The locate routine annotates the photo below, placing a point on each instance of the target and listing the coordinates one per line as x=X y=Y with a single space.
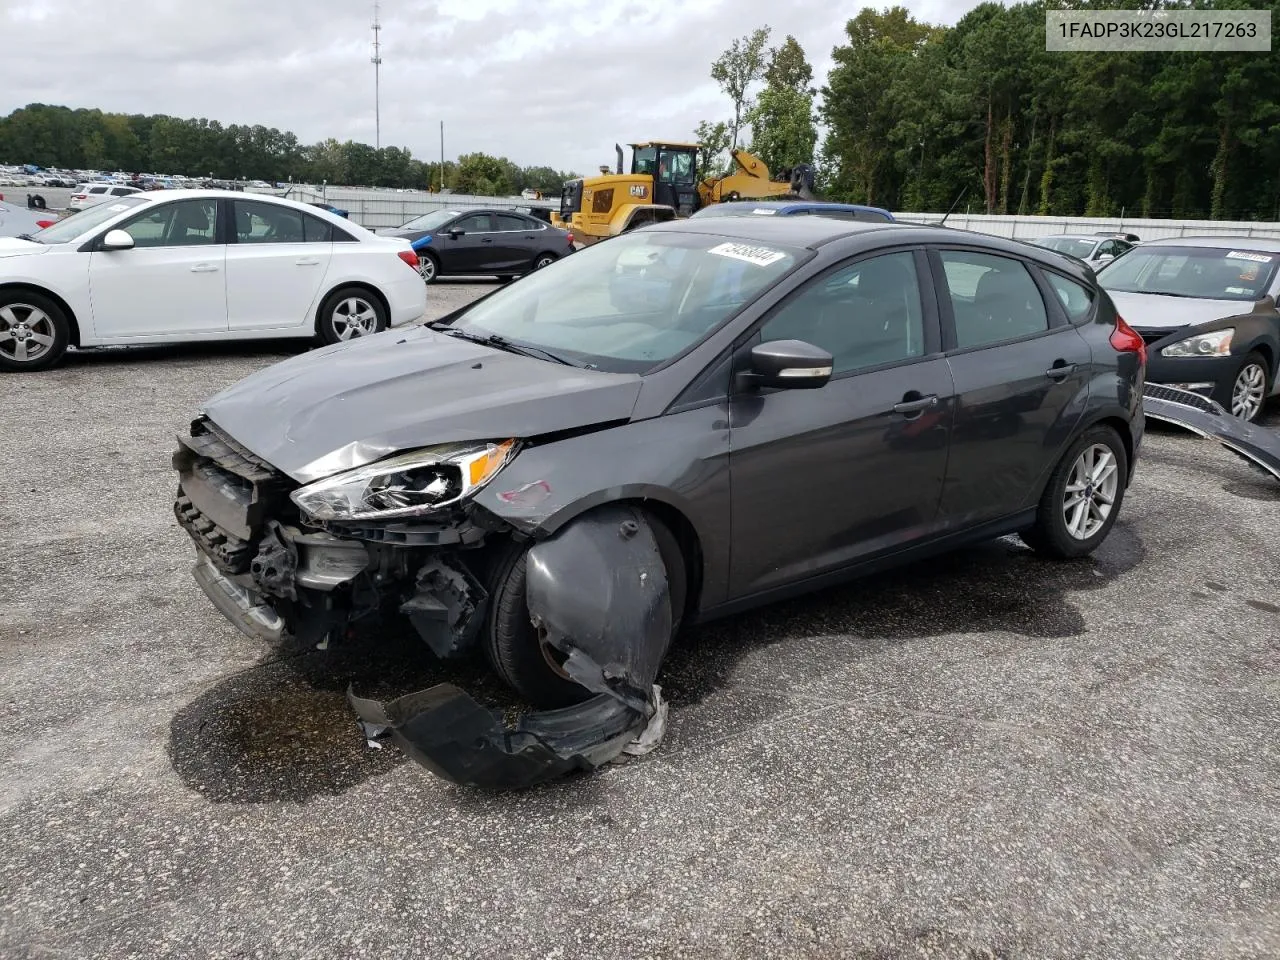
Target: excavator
x=664 y=184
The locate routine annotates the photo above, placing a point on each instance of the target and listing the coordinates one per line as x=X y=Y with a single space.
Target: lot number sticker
x=1242 y=255
x=760 y=256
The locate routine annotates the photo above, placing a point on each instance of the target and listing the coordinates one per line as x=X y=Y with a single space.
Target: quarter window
x=185 y=223
x=864 y=314
x=992 y=298
x=1076 y=300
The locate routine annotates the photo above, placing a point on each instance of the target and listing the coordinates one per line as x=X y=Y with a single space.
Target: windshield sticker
x=1244 y=255
x=1240 y=290
x=760 y=256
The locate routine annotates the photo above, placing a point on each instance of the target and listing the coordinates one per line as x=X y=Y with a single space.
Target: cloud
x=555 y=83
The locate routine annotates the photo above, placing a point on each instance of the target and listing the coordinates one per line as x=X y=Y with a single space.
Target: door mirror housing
x=1104 y=257
x=117 y=240
x=455 y=234
x=789 y=365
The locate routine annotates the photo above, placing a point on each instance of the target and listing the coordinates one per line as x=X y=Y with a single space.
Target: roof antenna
x=953 y=206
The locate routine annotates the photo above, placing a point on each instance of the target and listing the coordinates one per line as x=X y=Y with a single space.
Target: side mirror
x=1104 y=257
x=789 y=364
x=455 y=234
x=117 y=240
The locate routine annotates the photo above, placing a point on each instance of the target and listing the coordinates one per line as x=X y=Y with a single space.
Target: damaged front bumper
x=1257 y=445
x=596 y=592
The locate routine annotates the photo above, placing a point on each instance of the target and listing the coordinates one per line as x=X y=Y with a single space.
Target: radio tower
x=376 y=60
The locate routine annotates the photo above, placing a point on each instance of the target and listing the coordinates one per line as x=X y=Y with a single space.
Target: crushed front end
x=597 y=593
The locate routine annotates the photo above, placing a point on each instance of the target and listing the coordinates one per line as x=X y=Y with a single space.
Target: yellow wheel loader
x=665 y=183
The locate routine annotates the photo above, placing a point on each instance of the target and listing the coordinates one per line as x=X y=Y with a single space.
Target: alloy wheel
x=1248 y=392
x=26 y=332
x=543 y=262
x=354 y=317
x=1091 y=491
x=427 y=267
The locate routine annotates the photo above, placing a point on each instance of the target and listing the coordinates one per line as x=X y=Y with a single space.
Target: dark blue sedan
x=482 y=242
x=794 y=208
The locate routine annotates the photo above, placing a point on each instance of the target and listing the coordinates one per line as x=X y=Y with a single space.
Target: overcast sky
x=557 y=86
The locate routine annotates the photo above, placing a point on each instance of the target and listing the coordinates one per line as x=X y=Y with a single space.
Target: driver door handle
x=486 y=240
x=205 y=268
x=915 y=406
x=1060 y=370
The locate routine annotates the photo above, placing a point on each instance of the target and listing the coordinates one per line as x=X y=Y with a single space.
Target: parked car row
x=483 y=242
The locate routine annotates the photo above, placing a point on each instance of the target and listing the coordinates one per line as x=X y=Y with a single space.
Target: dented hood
x=347 y=405
x=1153 y=311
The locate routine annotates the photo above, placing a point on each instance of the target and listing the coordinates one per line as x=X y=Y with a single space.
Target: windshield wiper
x=27 y=236
x=502 y=343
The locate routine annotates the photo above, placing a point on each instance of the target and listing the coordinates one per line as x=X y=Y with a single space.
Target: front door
x=276 y=266
x=825 y=477
x=469 y=251
x=172 y=283
x=675 y=184
x=1021 y=378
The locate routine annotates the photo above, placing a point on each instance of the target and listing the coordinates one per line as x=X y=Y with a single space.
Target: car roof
x=1270 y=244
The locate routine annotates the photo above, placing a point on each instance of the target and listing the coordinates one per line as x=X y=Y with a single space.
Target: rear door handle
x=308 y=262
x=486 y=240
x=205 y=268
x=915 y=406
x=1060 y=371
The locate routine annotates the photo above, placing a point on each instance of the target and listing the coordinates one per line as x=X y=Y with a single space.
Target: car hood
x=352 y=403
x=13 y=247
x=1153 y=311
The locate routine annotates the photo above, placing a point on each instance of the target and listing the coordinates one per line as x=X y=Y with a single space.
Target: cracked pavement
x=982 y=755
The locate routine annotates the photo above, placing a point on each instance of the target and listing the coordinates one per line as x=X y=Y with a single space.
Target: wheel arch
x=72 y=322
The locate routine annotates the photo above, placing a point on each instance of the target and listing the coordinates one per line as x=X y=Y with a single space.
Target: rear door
x=276 y=264
x=1021 y=374
x=822 y=478
x=513 y=243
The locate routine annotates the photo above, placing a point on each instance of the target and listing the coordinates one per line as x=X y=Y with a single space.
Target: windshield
x=630 y=303
x=77 y=224
x=1080 y=249
x=429 y=221
x=1203 y=273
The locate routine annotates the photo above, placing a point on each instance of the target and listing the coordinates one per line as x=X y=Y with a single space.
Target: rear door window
x=993 y=298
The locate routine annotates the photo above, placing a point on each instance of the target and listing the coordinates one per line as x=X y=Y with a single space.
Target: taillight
x=80 y=196
x=571 y=239
x=1127 y=340
x=410 y=257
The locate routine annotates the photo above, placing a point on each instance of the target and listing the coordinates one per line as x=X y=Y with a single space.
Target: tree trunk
x=1006 y=139
x=1031 y=152
x=988 y=171
x=1217 y=207
x=1046 y=178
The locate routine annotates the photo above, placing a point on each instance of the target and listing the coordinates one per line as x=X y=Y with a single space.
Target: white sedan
x=177 y=266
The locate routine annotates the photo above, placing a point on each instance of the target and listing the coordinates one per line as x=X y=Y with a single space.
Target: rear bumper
x=406 y=299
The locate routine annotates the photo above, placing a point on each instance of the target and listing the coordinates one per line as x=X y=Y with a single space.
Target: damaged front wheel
x=522 y=655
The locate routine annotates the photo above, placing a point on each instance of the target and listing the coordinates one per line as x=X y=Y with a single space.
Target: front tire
x=511 y=644
x=351 y=312
x=1082 y=498
x=34 y=332
x=1245 y=397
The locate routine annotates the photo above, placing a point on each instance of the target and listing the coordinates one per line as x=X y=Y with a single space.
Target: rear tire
x=34 y=332
x=428 y=267
x=351 y=312
x=1082 y=499
x=511 y=644
x=544 y=260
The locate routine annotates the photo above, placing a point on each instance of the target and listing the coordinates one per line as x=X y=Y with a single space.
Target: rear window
x=1072 y=246
x=1201 y=273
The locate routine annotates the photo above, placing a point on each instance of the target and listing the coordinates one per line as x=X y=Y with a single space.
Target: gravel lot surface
x=985 y=755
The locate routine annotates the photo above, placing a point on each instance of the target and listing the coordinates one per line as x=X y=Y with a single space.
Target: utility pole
x=376 y=60
x=442 y=156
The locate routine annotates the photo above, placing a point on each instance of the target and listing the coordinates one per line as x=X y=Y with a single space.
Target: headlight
x=1216 y=344
x=405 y=485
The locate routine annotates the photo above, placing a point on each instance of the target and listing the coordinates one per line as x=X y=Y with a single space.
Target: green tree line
x=57 y=136
x=918 y=116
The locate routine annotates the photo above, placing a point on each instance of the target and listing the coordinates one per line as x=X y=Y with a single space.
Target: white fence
x=374 y=208
x=1026 y=228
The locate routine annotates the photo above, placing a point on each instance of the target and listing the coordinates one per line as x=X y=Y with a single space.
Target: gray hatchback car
x=681 y=423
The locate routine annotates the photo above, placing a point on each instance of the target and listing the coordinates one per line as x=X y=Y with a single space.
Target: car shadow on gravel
x=283 y=731
x=267 y=349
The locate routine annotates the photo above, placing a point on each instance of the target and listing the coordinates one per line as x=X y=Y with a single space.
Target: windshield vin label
x=760 y=256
